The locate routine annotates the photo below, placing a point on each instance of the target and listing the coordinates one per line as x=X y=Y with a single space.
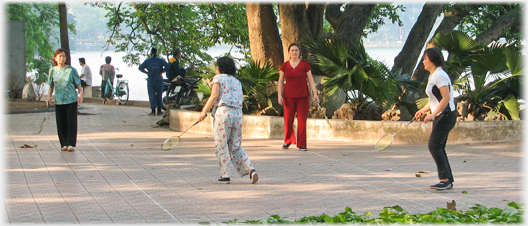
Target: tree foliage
x=491 y=75
x=41 y=21
x=192 y=27
x=481 y=17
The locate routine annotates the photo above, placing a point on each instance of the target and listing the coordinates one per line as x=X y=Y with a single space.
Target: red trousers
x=291 y=106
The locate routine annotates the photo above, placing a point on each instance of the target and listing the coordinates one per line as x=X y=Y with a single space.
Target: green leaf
x=513 y=107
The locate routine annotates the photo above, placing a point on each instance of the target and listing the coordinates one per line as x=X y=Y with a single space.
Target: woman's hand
x=316 y=98
x=203 y=115
x=418 y=114
x=279 y=99
x=428 y=118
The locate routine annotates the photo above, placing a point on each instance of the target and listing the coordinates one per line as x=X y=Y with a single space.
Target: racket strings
x=384 y=142
x=170 y=143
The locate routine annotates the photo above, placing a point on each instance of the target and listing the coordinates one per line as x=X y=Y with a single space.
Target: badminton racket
x=175 y=140
x=42 y=124
x=386 y=140
x=321 y=110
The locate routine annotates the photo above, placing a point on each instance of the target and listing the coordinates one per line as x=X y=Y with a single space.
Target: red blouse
x=296 y=79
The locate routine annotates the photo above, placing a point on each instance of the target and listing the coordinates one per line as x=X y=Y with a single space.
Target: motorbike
x=181 y=91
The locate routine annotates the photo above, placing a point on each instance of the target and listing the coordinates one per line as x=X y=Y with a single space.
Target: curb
x=37 y=111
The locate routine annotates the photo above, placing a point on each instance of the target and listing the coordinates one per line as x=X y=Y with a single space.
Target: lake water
x=138 y=84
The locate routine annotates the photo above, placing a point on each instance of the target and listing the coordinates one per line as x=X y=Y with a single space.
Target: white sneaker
x=253 y=176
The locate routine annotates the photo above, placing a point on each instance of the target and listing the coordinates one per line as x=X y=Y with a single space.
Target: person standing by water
x=443 y=114
x=227 y=98
x=63 y=80
x=155 y=67
x=294 y=96
x=106 y=71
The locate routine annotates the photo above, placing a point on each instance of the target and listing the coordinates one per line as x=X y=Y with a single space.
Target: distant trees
x=192 y=27
x=42 y=23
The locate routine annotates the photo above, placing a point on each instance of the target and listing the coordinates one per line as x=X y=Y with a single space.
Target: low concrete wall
x=272 y=127
x=115 y=101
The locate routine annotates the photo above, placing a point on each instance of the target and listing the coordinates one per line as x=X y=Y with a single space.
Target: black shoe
x=303 y=148
x=442 y=185
x=253 y=176
x=163 y=108
x=152 y=113
x=285 y=146
x=223 y=180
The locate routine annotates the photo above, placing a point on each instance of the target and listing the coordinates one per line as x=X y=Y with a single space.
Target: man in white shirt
x=86 y=73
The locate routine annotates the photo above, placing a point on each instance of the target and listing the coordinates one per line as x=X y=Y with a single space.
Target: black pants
x=66 y=117
x=442 y=125
x=103 y=90
x=83 y=83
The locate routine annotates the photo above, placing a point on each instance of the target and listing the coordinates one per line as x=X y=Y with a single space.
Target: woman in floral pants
x=226 y=97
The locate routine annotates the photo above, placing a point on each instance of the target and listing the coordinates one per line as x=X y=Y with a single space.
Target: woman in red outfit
x=298 y=74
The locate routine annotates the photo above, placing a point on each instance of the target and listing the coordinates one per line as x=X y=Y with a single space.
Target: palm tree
x=259 y=83
x=488 y=77
x=350 y=69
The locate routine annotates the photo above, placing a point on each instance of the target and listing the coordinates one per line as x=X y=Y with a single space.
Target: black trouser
x=442 y=125
x=83 y=83
x=66 y=117
x=103 y=89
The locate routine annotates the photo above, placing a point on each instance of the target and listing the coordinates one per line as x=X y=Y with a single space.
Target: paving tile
x=119 y=175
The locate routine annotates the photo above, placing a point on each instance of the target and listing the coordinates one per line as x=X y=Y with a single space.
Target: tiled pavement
x=119 y=174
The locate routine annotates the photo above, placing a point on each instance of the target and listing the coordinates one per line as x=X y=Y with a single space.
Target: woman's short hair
x=435 y=56
x=108 y=59
x=294 y=44
x=226 y=65
x=57 y=52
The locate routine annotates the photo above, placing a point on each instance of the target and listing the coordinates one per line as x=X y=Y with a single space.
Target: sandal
x=70 y=149
x=64 y=148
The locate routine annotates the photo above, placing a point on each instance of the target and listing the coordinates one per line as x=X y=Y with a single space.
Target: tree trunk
x=349 y=25
x=450 y=21
x=406 y=59
x=65 y=44
x=315 y=13
x=294 y=26
x=499 y=26
x=264 y=39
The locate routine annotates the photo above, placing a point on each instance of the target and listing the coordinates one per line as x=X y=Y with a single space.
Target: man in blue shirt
x=155 y=67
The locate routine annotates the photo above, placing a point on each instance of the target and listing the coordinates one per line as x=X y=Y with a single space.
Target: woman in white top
x=443 y=114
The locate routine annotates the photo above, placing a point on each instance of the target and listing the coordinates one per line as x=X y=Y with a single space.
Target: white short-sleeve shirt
x=438 y=79
x=87 y=74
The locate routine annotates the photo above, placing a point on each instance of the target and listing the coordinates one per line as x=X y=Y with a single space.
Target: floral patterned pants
x=227 y=130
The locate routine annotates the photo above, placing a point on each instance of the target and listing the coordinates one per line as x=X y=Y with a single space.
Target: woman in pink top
x=297 y=74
